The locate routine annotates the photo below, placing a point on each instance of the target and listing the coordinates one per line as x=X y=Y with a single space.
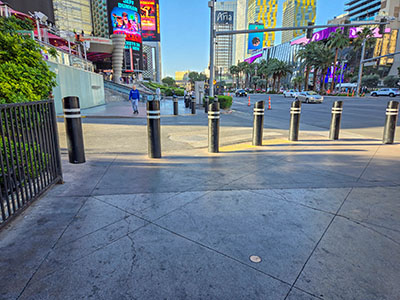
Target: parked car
x=386 y=92
x=241 y=93
x=290 y=93
x=309 y=97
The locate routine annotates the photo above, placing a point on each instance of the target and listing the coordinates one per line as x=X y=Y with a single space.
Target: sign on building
x=256 y=40
x=150 y=12
x=224 y=17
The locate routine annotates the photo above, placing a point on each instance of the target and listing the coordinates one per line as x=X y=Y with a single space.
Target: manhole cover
x=255 y=259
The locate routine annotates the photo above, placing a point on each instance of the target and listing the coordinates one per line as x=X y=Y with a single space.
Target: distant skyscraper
x=73 y=15
x=263 y=12
x=362 y=10
x=297 y=13
x=225 y=44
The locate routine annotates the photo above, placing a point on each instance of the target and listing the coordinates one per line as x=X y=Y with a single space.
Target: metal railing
x=30 y=160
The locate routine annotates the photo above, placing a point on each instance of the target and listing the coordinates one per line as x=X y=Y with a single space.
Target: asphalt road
x=364 y=116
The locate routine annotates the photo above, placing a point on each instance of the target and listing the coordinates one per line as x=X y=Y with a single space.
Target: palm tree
x=325 y=59
x=297 y=81
x=306 y=55
x=234 y=71
x=337 y=41
x=283 y=69
x=243 y=66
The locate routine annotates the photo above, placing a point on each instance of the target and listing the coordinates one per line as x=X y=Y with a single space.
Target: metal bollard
x=175 y=99
x=337 y=110
x=213 y=127
x=154 y=129
x=73 y=128
x=193 y=106
x=258 y=123
x=206 y=104
x=392 y=112
x=187 y=101
x=295 y=112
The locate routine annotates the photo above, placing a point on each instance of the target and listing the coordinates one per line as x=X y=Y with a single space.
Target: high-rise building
x=225 y=44
x=297 y=13
x=73 y=15
x=241 y=24
x=99 y=17
x=263 y=12
x=363 y=10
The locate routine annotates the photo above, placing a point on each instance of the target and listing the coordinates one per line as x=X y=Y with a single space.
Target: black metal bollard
x=187 y=101
x=295 y=111
x=73 y=128
x=258 y=123
x=154 y=129
x=175 y=99
x=337 y=110
x=213 y=127
x=206 y=103
x=392 y=112
x=193 y=106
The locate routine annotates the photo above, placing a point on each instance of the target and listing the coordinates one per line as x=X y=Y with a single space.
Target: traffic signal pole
x=211 y=5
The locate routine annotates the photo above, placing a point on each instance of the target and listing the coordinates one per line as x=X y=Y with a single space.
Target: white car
x=309 y=97
x=290 y=93
x=386 y=92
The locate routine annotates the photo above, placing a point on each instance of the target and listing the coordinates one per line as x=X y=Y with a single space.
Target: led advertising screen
x=124 y=16
x=150 y=12
x=256 y=40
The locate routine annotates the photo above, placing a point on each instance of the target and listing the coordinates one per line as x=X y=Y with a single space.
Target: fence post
x=154 y=129
x=392 y=112
x=73 y=128
x=213 y=127
x=295 y=112
x=258 y=123
x=337 y=110
x=53 y=117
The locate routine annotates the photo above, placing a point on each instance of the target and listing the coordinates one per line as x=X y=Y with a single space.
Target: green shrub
x=225 y=102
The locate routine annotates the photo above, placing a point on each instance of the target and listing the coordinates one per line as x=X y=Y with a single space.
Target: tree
x=24 y=75
x=324 y=59
x=234 y=71
x=243 y=67
x=391 y=81
x=337 y=41
x=306 y=55
x=195 y=76
x=297 y=81
x=370 y=81
x=169 y=81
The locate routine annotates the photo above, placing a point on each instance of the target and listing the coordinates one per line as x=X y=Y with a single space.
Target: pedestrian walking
x=158 y=93
x=134 y=96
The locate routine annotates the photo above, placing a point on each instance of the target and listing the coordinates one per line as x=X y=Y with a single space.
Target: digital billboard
x=124 y=16
x=256 y=40
x=150 y=12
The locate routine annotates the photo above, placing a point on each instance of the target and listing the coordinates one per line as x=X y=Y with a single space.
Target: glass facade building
x=297 y=13
x=73 y=15
x=363 y=10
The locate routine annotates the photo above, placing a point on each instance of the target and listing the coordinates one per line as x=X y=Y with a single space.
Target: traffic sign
x=215 y=82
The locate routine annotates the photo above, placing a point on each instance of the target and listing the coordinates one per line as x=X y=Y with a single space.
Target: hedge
x=225 y=102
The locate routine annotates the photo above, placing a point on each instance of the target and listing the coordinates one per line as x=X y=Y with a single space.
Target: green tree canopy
x=195 y=76
x=169 y=81
x=24 y=75
x=391 y=81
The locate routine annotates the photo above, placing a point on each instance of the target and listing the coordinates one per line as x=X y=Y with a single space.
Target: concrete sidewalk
x=322 y=216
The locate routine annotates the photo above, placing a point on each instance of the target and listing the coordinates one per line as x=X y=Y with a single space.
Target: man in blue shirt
x=134 y=96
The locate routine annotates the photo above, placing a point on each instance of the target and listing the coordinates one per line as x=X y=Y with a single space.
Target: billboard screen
x=124 y=16
x=150 y=12
x=26 y=6
x=256 y=40
x=224 y=17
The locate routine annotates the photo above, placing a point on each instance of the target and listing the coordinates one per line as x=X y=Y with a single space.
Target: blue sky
x=185 y=36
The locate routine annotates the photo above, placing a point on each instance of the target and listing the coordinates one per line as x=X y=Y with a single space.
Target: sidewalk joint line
x=318 y=242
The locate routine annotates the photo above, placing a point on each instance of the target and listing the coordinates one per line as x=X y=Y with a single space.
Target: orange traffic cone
x=352 y=94
x=347 y=93
x=249 y=102
x=269 y=103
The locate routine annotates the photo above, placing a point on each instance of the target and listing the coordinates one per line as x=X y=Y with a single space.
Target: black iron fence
x=30 y=154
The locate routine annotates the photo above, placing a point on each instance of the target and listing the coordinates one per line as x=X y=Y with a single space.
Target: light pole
x=211 y=5
x=360 y=70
